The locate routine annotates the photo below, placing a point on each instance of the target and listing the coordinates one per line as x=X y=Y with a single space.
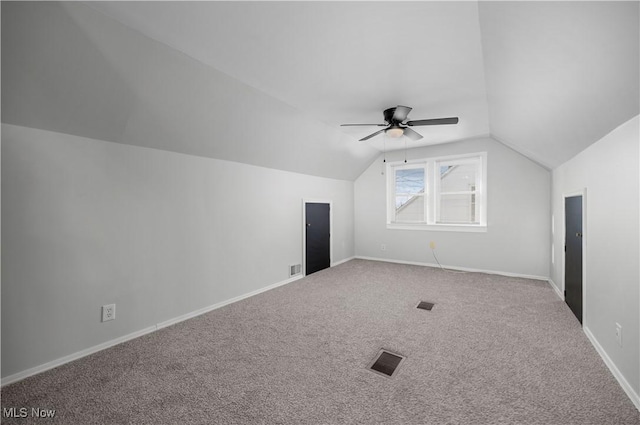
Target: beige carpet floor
x=494 y=350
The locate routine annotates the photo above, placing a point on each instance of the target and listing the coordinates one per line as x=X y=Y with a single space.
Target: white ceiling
x=340 y=62
x=546 y=78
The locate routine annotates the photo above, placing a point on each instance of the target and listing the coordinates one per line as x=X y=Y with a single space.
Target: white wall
x=160 y=234
x=608 y=170
x=517 y=238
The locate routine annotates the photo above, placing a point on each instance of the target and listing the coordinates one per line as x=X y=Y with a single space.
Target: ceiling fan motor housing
x=388 y=116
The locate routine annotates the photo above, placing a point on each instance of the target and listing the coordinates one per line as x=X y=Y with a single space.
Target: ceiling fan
x=396 y=126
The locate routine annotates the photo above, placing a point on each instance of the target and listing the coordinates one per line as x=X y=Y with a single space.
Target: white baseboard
x=556 y=289
x=463 y=269
x=337 y=263
x=223 y=303
x=75 y=356
x=87 y=351
x=612 y=367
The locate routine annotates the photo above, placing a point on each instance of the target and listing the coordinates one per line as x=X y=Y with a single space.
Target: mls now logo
x=23 y=412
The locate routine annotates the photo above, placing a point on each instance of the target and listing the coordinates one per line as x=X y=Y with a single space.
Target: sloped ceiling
x=269 y=83
x=560 y=75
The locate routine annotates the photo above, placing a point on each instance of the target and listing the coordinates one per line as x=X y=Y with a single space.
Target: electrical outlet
x=108 y=312
x=619 y=334
x=432 y=245
x=383 y=247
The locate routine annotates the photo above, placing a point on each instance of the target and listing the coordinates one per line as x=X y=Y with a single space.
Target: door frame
x=306 y=201
x=582 y=193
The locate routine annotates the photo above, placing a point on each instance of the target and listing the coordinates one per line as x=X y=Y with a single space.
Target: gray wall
x=518 y=233
x=608 y=170
x=161 y=234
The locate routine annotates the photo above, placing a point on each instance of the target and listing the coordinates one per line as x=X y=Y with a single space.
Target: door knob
x=308 y=224
x=578 y=235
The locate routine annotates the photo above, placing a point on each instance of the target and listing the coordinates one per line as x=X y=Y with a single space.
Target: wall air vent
x=295 y=270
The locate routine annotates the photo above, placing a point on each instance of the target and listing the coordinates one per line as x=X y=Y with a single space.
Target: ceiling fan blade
x=413 y=135
x=352 y=125
x=434 y=121
x=401 y=113
x=372 y=135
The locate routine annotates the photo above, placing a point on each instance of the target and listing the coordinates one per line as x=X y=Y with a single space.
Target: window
x=409 y=183
x=447 y=193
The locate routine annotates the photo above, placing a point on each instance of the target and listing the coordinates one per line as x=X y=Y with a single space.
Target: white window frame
x=432 y=193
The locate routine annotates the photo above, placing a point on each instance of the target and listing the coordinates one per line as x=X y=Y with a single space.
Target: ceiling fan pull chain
x=384 y=149
x=405 y=150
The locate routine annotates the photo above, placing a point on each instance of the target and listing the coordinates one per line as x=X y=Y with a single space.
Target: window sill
x=472 y=228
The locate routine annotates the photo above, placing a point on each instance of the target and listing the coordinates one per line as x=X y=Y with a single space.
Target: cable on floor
x=433 y=251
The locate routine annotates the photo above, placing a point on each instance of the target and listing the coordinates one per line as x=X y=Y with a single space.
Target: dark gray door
x=317 y=238
x=573 y=255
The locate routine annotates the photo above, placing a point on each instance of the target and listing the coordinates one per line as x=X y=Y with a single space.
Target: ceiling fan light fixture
x=395 y=132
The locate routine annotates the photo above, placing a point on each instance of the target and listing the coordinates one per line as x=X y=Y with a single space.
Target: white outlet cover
x=108 y=312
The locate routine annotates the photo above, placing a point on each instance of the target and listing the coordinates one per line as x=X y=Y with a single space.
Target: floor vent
x=386 y=363
x=424 y=305
x=295 y=269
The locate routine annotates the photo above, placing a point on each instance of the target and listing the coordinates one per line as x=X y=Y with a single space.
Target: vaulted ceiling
x=269 y=83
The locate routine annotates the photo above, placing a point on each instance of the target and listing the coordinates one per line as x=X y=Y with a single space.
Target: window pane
x=410 y=181
x=458 y=178
x=410 y=208
x=458 y=208
x=409 y=194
